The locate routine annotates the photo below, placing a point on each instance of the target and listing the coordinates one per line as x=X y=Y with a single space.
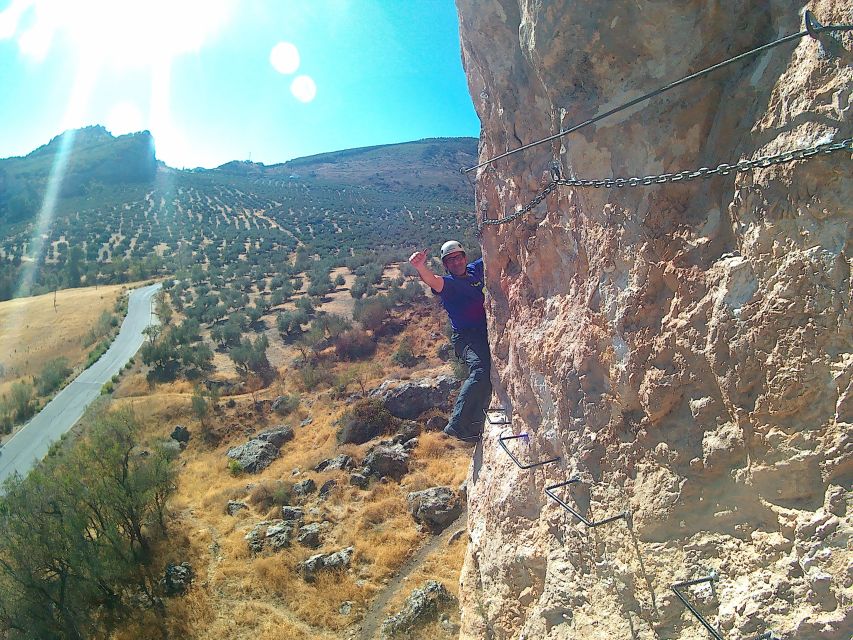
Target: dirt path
x=376 y=613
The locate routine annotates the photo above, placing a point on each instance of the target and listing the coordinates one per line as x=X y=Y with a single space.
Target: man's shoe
x=453 y=433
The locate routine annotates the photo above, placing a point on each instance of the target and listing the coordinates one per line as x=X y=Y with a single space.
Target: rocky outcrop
x=422 y=606
x=259 y=452
x=269 y=534
x=337 y=561
x=177 y=578
x=387 y=460
x=408 y=400
x=684 y=348
x=435 y=508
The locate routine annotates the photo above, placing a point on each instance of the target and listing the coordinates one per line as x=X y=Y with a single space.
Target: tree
x=52 y=375
x=76 y=534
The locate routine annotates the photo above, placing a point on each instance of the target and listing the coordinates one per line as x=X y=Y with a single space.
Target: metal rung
x=502 y=441
x=767 y=635
x=550 y=492
x=497 y=410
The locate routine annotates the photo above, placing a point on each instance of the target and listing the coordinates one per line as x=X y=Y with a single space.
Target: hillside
x=117 y=230
x=429 y=166
x=284 y=304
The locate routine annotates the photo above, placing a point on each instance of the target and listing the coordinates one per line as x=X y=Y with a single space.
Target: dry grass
x=32 y=332
x=237 y=594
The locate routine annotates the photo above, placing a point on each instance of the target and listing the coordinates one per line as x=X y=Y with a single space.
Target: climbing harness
x=813 y=29
x=711 y=578
x=687 y=175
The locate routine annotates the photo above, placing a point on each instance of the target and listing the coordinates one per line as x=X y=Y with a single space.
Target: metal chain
x=681 y=176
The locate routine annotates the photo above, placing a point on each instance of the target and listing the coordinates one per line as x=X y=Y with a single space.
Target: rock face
x=684 y=348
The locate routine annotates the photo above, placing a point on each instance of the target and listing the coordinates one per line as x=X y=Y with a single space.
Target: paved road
x=32 y=442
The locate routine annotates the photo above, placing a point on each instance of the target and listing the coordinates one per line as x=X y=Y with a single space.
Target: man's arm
x=419 y=261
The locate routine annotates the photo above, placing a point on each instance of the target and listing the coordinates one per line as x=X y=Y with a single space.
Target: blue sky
x=220 y=80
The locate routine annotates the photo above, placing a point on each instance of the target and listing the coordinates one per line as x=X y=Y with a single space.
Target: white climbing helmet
x=451 y=246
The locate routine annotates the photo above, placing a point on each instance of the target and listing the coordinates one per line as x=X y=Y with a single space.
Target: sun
x=115 y=33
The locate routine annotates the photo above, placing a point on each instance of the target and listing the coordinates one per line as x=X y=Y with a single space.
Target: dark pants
x=472 y=347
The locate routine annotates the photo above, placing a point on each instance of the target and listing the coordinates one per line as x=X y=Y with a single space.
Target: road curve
x=32 y=442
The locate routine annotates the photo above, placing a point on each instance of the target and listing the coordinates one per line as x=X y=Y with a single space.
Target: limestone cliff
x=684 y=348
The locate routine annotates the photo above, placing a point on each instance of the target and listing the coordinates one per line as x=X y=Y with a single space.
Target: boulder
x=409 y=430
x=278 y=535
x=177 y=578
x=341 y=462
x=234 y=506
x=304 y=487
x=327 y=486
x=359 y=480
x=292 y=514
x=274 y=534
x=254 y=456
x=436 y=507
x=338 y=560
x=410 y=399
x=387 y=460
x=180 y=433
x=421 y=607
x=310 y=535
x=276 y=436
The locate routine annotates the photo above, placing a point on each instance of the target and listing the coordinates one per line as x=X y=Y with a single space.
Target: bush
x=52 y=375
x=312 y=376
x=267 y=495
x=107 y=388
x=367 y=419
x=371 y=313
x=234 y=468
x=404 y=356
x=20 y=402
x=460 y=369
x=286 y=404
x=354 y=344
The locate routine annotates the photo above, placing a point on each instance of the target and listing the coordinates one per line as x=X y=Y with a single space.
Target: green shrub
x=354 y=344
x=287 y=404
x=52 y=375
x=107 y=388
x=267 y=495
x=367 y=419
x=234 y=468
x=460 y=369
x=404 y=356
x=314 y=375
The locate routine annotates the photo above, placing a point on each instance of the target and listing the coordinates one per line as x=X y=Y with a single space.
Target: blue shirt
x=463 y=299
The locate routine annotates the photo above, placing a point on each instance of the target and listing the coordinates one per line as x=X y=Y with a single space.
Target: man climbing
x=461 y=293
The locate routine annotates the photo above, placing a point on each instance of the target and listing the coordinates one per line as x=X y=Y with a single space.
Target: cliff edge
x=684 y=348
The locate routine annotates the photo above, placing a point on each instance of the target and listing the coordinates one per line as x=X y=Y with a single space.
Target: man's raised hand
x=418 y=259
